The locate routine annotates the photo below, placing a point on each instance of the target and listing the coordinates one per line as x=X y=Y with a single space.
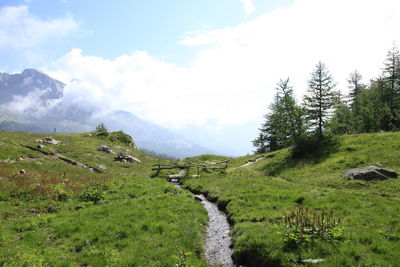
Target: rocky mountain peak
x=29 y=81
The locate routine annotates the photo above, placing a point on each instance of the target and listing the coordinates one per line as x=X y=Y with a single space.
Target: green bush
x=101 y=130
x=94 y=192
x=120 y=136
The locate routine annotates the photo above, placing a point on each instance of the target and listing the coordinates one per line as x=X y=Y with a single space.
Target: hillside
x=257 y=197
x=32 y=101
x=69 y=204
x=52 y=211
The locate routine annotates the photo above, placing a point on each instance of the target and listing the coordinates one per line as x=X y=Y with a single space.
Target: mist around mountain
x=34 y=102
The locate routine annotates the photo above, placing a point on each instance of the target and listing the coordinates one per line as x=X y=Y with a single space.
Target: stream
x=218 y=239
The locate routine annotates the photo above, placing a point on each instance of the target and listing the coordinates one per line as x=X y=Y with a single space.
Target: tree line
x=324 y=111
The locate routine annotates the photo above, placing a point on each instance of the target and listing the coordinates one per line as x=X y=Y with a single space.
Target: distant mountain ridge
x=22 y=84
x=40 y=90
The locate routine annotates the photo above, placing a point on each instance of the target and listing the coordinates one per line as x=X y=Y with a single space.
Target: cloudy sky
x=206 y=69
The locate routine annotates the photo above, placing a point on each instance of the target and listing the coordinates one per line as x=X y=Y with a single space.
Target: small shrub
x=305 y=226
x=181 y=258
x=101 y=130
x=94 y=192
x=120 y=136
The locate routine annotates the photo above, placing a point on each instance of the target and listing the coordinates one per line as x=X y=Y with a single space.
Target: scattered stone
x=126 y=158
x=105 y=149
x=312 y=261
x=22 y=172
x=41 y=146
x=39 y=141
x=19 y=159
x=50 y=140
x=370 y=173
x=102 y=167
x=198 y=198
x=117 y=147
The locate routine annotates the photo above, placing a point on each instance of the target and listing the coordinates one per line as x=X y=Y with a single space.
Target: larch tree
x=320 y=98
x=283 y=124
x=391 y=86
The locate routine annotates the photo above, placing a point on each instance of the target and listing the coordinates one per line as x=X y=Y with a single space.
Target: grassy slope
x=140 y=222
x=257 y=197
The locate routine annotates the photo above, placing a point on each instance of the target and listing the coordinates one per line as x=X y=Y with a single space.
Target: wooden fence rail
x=187 y=166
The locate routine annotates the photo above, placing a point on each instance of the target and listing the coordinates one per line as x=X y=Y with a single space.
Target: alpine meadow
x=215 y=133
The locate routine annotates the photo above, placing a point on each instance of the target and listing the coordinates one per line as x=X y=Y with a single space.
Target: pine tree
x=391 y=88
x=355 y=87
x=283 y=124
x=320 y=98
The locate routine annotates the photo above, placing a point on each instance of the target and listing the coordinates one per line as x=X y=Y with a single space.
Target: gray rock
x=50 y=140
x=105 y=149
x=126 y=158
x=22 y=172
x=102 y=167
x=41 y=146
x=314 y=261
x=370 y=173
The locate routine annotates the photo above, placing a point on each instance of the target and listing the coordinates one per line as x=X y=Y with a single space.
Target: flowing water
x=218 y=239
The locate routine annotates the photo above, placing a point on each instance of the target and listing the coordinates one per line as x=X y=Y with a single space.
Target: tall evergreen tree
x=320 y=98
x=283 y=124
x=355 y=86
x=391 y=86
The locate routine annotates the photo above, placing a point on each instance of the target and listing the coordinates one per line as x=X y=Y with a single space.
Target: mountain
x=28 y=82
x=32 y=101
x=151 y=136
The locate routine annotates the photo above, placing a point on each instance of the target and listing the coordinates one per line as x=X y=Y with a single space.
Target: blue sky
x=113 y=28
x=204 y=68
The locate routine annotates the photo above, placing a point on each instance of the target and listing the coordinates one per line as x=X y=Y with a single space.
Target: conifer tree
x=391 y=86
x=320 y=98
x=355 y=87
x=283 y=124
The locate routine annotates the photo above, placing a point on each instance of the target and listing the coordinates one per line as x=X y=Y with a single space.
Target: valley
x=62 y=214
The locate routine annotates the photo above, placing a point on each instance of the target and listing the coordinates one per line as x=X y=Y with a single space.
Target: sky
x=206 y=69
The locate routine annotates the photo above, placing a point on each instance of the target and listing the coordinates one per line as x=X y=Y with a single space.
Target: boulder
x=105 y=149
x=50 y=140
x=126 y=158
x=370 y=173
x=102 y=167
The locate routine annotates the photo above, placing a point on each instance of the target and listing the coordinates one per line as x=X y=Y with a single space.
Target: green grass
x=44 y=222
x=257 y=197
x=144 y=221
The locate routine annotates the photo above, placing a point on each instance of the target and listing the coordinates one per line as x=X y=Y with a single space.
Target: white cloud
x=20 y=29
x=248 y=6
x=232 y=80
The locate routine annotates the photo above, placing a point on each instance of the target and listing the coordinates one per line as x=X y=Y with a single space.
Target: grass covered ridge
x=257 y=198
x=46 y=221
